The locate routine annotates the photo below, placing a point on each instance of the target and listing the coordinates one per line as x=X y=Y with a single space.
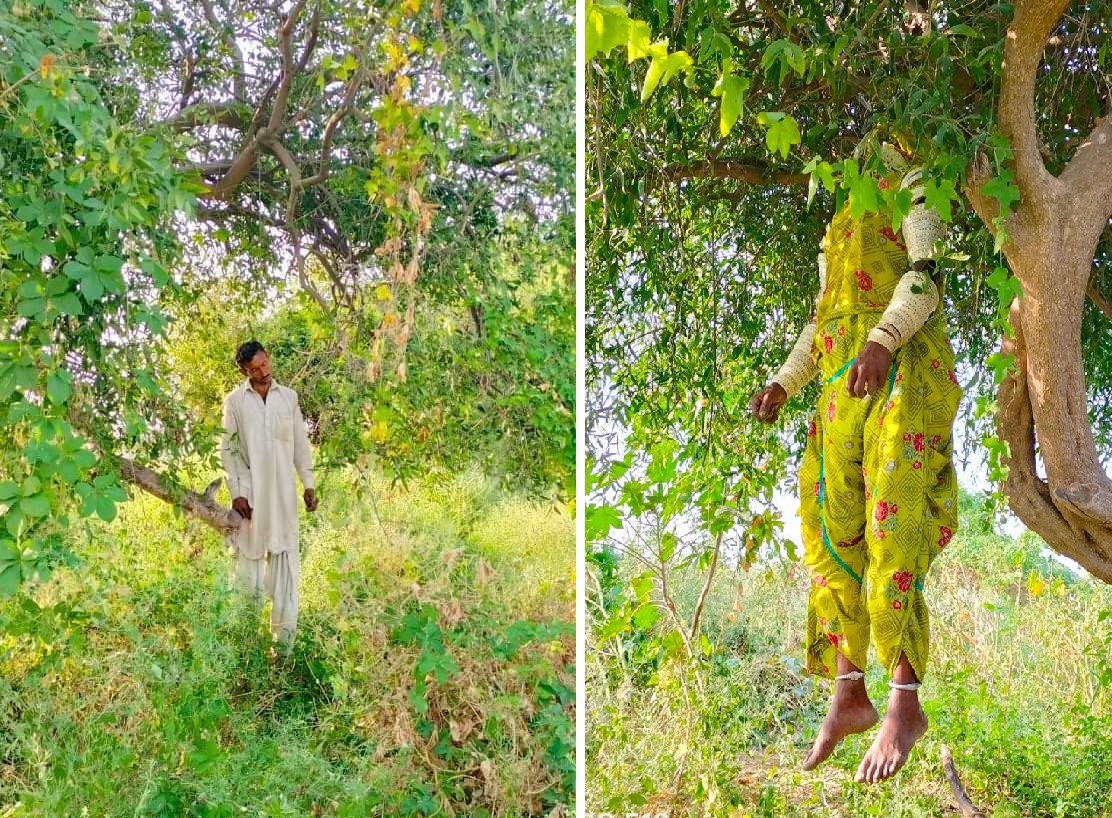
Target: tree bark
x=1052 y=239
x=199 y=506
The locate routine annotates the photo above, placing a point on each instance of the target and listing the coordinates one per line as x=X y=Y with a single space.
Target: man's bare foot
x=904 y=724
x=850 y=712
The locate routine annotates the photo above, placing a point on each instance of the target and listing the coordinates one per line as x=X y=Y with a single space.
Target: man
x=878 y=495
x=264 y=441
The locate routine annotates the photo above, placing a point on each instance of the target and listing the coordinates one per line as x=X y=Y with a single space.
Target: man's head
x=253 y=361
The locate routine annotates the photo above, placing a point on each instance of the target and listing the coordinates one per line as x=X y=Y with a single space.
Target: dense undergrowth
x=432 y=673
x=1019 y=687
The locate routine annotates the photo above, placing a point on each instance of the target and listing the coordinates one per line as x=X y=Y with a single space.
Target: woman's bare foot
x=904 y=724
x=850 y=712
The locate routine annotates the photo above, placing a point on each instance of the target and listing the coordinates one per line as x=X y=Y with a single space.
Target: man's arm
x=302 y=454
x=235 y=464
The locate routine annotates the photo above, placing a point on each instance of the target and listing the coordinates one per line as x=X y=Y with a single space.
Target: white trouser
x=276 y=575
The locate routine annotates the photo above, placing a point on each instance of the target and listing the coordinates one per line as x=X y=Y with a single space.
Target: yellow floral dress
x=878 y=493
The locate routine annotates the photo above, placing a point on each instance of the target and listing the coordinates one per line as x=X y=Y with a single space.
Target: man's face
x=257 y=369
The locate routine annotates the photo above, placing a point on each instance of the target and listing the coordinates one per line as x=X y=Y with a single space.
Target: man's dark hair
x=247 y=351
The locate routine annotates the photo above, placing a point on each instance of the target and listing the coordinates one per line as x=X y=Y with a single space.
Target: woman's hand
x=869 y=370
x=765 y=405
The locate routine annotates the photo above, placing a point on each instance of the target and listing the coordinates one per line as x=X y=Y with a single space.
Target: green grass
x=432 y=672
x=1019 y=687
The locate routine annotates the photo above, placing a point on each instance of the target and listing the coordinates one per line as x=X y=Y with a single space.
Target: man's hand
x=765 y=405
x=869 y=370
x=310 y=496
x=241 y=506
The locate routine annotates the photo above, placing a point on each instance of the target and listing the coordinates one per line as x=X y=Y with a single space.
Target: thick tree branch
x=1028 y=494
x=230 y=114
x=1102 y=303
x=1023 y=47
x=200 y=506
x=1088 y=176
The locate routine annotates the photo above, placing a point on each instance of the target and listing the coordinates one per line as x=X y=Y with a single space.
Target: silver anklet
x=908 y=686
x=853 y=674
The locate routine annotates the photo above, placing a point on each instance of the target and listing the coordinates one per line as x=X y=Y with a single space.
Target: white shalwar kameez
x=263 y=443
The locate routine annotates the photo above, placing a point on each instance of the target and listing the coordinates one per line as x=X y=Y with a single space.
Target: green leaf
x=37 y=505
x=667 y=546
x=662 y=69
x=863 y=190
x=8 y=489
x=1003 y=190
x=606 y=26
x=938 y=195
x=645 y=616
x=732 y=91
x=58 y=386
x=91 y=287
x=68 y=304
x=782 y=133
x=10 y=570
x=901 y=206
x=785 y=54
x=640 y=35
x=599 y=521
x=105 y=509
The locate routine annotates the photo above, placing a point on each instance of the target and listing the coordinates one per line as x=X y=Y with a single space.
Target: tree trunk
x=1052 y=239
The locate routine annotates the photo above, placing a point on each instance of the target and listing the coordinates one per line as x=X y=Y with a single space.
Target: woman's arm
x=799 y=367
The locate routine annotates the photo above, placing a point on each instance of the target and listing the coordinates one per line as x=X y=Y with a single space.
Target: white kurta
x=263 y=443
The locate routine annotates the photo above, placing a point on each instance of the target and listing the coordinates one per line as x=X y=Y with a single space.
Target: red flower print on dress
x=907 y=436
x=882 y=510
x=953 y=377
x=849 y=233
x=945 y=535
x=935 y=439
x=899 y=377
x=897 y=604
x=880 y=535
x=918 y=464
x=917 y=441
x=827 y=343
x=890 y=234
x=816 y=488
x=812 y=429
x=830 y=411
x=902 y=580
x=841 y=330
x=863 y=280
x=820 y=580
x=935 y=363
x=833 y=637
x=893 y=508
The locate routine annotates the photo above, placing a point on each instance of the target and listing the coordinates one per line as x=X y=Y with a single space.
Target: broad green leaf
x=782 y=133
x=938 y=195
x=640 y=36
x=732 y=91
x=58 y=386
x=662 y=69
x=901 y=206
x=37 y=505
x=599 y=521
x=606 y=26
x=646 y=615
